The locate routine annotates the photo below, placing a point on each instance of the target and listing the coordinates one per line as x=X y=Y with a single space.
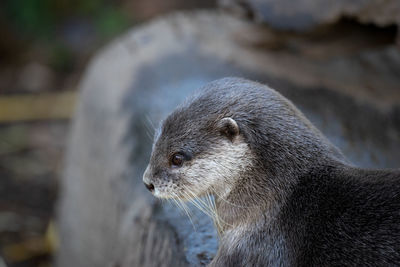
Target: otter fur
x=284 y=195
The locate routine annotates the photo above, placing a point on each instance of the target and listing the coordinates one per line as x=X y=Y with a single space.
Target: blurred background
x=308 y=50
x=44 y=48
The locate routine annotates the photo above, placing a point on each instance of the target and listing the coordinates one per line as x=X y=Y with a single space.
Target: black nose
x=150 y=187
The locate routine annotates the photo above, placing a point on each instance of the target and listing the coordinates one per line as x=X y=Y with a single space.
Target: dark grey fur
x=301 y=203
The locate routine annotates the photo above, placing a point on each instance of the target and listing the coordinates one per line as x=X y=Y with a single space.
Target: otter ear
x=228 y=127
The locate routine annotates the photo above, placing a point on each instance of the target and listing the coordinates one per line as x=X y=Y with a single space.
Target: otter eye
x=177 y=160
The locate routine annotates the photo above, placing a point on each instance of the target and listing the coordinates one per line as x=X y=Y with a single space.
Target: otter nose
x=150 y=187
x=146 y=179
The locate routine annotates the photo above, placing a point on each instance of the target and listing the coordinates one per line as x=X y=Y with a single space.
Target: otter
x=284 y=195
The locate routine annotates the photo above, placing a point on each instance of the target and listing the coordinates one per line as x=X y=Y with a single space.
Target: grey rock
x=305 y=14
x=2 y=263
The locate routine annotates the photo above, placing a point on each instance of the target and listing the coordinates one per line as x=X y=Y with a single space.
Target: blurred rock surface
x=305 y=14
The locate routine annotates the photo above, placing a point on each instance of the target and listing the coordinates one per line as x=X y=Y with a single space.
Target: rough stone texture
x=106 y=216
x=304 y=14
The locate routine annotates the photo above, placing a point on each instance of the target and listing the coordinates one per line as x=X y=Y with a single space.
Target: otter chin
x=284 y=195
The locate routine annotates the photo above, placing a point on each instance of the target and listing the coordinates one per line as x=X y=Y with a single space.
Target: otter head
x=232 y=132
x=196 y=153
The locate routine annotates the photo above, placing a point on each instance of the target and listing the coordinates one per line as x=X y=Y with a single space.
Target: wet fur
x=284 y=195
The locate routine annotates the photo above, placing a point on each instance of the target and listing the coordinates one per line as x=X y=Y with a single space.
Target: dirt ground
x=30 y=165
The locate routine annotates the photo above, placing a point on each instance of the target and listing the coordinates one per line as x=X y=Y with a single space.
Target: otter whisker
x=203 y=205
x=188 y=213
x=149 y=129
x=149 y=121
x=216 y=220
x=192 y=199
x=208 y=207
x=198 y=203
x=226 y=201
x=183 y=207
x=175 y=202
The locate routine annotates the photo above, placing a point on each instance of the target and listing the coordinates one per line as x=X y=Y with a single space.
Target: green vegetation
x=41 y=18
x=46 y=26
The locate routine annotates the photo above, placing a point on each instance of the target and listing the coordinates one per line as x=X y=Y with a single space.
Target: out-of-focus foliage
x=42 y=18
x=60 y=30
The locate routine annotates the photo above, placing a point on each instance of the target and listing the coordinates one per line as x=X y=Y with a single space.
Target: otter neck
x=261 y=190
x=249 y=199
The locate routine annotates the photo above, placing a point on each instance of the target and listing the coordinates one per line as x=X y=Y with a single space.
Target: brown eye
x=177 y=160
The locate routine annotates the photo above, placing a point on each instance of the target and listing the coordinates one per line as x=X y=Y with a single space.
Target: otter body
x=284 y=195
